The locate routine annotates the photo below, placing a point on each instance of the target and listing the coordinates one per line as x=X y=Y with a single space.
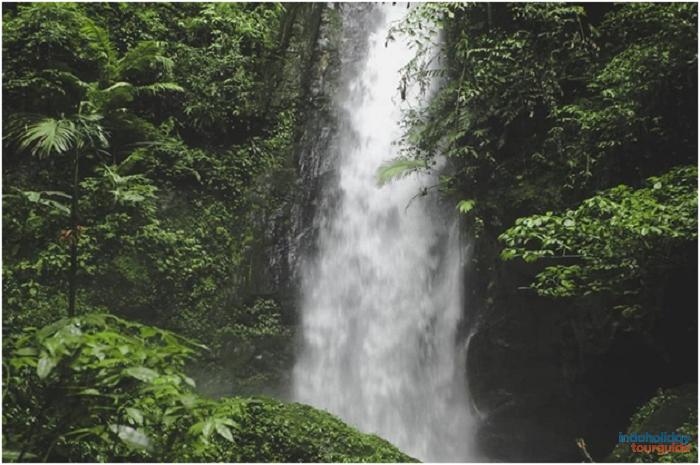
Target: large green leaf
x=465 y=206
x=48 y=136
x=132 y=437
x=141 y=373
x=224 y=431
x=44 y=366
x=398 y=168
x=44 y=198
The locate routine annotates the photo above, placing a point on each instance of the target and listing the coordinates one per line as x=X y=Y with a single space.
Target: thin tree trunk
x=73 y=276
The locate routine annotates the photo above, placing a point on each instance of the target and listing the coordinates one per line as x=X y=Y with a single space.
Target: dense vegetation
x=136 y=141
x=570 y=133
x=145 y=145
x=97 y=388
x=147 y=148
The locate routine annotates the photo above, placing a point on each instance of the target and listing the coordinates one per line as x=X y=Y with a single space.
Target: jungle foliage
x=546 y=108
x=146 y=146
x=569 y=134
x=136 y=137
x=622 y=239
x=97 y=388
x=139 y=144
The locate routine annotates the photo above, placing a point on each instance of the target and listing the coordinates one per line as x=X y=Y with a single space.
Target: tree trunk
x=73 y=240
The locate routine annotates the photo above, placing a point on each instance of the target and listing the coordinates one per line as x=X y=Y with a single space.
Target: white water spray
x=382 y=300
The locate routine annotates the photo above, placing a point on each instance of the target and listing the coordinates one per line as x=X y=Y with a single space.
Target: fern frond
x=398 y=168
x=117 y=86
x=159 y=87
x=143 y=56
x=465 y=206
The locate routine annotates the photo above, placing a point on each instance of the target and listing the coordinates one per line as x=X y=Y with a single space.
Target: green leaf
x=147 y=331
x=189 y=401
x=141 y=373
x=224 y=431
x=465 y=206
x=26 y=352
x=90 y=392
x=50 y=329
x=135 y=414
x=13 y=455
x=132 y=437
x=208 y=428
x=508 y=254
x=398 y=168
x=45 y=365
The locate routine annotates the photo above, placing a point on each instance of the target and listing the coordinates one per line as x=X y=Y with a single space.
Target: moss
x=299 y=433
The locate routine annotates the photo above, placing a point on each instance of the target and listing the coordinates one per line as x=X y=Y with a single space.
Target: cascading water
x=382 y=297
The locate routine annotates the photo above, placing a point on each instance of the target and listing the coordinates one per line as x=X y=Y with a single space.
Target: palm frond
x=166 y=63
x=117 y=180
x=47 y=136
x=398 y=168
x=44 y=136
x=128 y=189
x=159 y=87
x=118 y=85
x=64 y=77
x=99 y=41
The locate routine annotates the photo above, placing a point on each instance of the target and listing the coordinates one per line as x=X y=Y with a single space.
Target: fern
x=159 y=87
x=143 y=57
x=99 y=41
x=398 y=168
x=465 y=206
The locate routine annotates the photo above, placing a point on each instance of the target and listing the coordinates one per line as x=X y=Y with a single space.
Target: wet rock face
x=318 y=55
x=543 y=372
x=336 y=55
x=517 y=370
x=334 y=52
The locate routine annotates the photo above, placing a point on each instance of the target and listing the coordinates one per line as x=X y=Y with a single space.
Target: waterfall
x=382 y=295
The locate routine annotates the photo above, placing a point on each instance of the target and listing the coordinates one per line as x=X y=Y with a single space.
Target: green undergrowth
x=100 y=388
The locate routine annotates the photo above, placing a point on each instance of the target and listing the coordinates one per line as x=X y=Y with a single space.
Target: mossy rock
x=671 y=410
x=273 y=431
x=124 y=397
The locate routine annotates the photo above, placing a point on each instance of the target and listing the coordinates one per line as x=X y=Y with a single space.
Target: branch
x=421 y=193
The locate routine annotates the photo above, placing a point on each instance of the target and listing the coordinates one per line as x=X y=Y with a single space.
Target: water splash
x=382 y=298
